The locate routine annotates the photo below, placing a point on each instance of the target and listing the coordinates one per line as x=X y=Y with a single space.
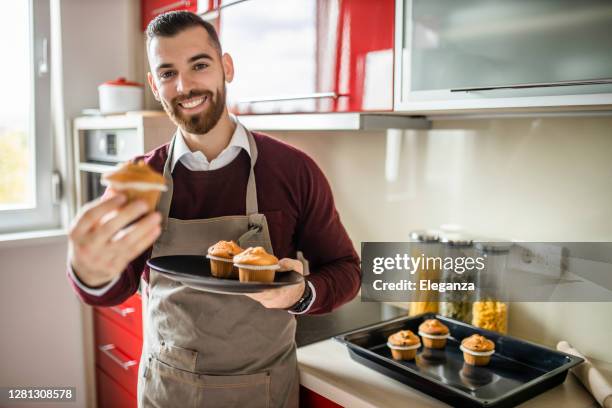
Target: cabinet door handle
x=316 y=95
x=537 y=85
x=123 y=312
x=106 y=349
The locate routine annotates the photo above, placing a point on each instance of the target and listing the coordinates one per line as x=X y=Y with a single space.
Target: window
x=26 y=147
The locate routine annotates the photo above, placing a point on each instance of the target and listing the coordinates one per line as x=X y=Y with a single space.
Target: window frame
x=46 y=212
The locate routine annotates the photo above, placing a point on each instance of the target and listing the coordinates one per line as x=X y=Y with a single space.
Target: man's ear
x=228 y=67
x=153 y=86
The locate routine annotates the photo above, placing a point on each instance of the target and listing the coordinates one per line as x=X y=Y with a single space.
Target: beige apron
x=212 y=350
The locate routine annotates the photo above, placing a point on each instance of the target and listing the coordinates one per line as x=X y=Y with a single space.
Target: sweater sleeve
x=121 y=289
x=334 y=264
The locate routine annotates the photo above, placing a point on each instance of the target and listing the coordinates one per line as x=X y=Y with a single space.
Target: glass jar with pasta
x=456 y=272
x=490 y=310
x=425 y=244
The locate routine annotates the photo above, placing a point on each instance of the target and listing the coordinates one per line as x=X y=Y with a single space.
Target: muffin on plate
x=221 y=257
x=434 y=333
x=137 y=181
x=256 y=265
x=403 y=345
x=477 y=350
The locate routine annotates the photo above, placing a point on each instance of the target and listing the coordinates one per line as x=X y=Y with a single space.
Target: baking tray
x=518 y=371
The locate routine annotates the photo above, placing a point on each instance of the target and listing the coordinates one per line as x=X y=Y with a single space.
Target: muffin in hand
x=137 y=181
x=256 y=265
x=477 y=350
x=434 y=333
x=403 y=345
x=221 y=257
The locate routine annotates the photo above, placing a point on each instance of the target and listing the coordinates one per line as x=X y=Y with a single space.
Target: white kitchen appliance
x=120 y=95
x=102 y=142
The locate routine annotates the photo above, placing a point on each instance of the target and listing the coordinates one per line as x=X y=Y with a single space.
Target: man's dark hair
x=171 y=23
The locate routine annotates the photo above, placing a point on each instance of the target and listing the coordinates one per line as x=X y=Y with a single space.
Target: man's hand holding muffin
x=103 y=239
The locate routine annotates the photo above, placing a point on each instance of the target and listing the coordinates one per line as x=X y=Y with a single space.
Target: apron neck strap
x=166 y=198
x=251 y=193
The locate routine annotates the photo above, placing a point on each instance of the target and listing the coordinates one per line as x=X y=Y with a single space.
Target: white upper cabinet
x=479 y=54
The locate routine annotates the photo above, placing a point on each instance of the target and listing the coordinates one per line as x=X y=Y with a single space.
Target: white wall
x=41 y=340
x=541 y=179
x=101 y=41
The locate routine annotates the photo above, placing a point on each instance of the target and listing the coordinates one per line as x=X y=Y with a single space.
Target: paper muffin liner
x=476 y=353
x=434 y=336
x=258 y=267
x=220 y=259
x=134 y=185
x=412 y=347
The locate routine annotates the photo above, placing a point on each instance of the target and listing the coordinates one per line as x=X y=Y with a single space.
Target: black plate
x=194 y=271
x=518 y=370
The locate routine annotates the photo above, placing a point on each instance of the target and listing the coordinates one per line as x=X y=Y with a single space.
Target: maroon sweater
x=298 y=204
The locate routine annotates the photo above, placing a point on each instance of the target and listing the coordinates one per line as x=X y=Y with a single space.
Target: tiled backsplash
x=536 y=179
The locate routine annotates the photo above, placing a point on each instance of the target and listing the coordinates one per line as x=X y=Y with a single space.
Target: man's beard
x=202 y=122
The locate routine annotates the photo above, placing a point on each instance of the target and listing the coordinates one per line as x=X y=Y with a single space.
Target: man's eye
x=166 y=74
x=199 y=67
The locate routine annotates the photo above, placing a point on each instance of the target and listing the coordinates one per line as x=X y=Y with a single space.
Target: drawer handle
x=106 y=349
x=602 y=81
x=320 y=95
x=123 y=312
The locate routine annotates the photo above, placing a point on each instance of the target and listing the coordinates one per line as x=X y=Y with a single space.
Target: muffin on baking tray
x=477 y=350
x=256 y=265
x=137 y=181
x=221 y=257
x=403 y=345
x=434 y=333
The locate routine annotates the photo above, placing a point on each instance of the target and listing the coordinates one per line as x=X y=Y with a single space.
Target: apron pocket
x=165 y=385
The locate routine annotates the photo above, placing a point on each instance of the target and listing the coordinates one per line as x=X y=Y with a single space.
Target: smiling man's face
x=188 y=77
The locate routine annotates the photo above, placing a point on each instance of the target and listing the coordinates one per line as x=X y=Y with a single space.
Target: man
x=205 y=349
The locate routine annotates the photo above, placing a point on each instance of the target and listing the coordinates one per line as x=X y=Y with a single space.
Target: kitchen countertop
x=326 y=368
x=351 y=316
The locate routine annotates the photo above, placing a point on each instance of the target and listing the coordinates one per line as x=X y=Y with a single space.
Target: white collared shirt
x=197 y=161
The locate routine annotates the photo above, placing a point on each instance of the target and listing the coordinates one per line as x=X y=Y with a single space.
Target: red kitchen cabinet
x=117 y=352
x=111 y=394
x=309 y=55
x=152 y=8
x=310 y=399
x=127 y=315
x=118 y=346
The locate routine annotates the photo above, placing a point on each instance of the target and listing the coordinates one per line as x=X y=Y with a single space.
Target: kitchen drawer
x=111 y=394
x=127 y=315
x=117 y=352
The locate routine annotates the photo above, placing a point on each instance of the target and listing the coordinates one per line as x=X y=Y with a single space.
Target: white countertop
x=326 y=368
